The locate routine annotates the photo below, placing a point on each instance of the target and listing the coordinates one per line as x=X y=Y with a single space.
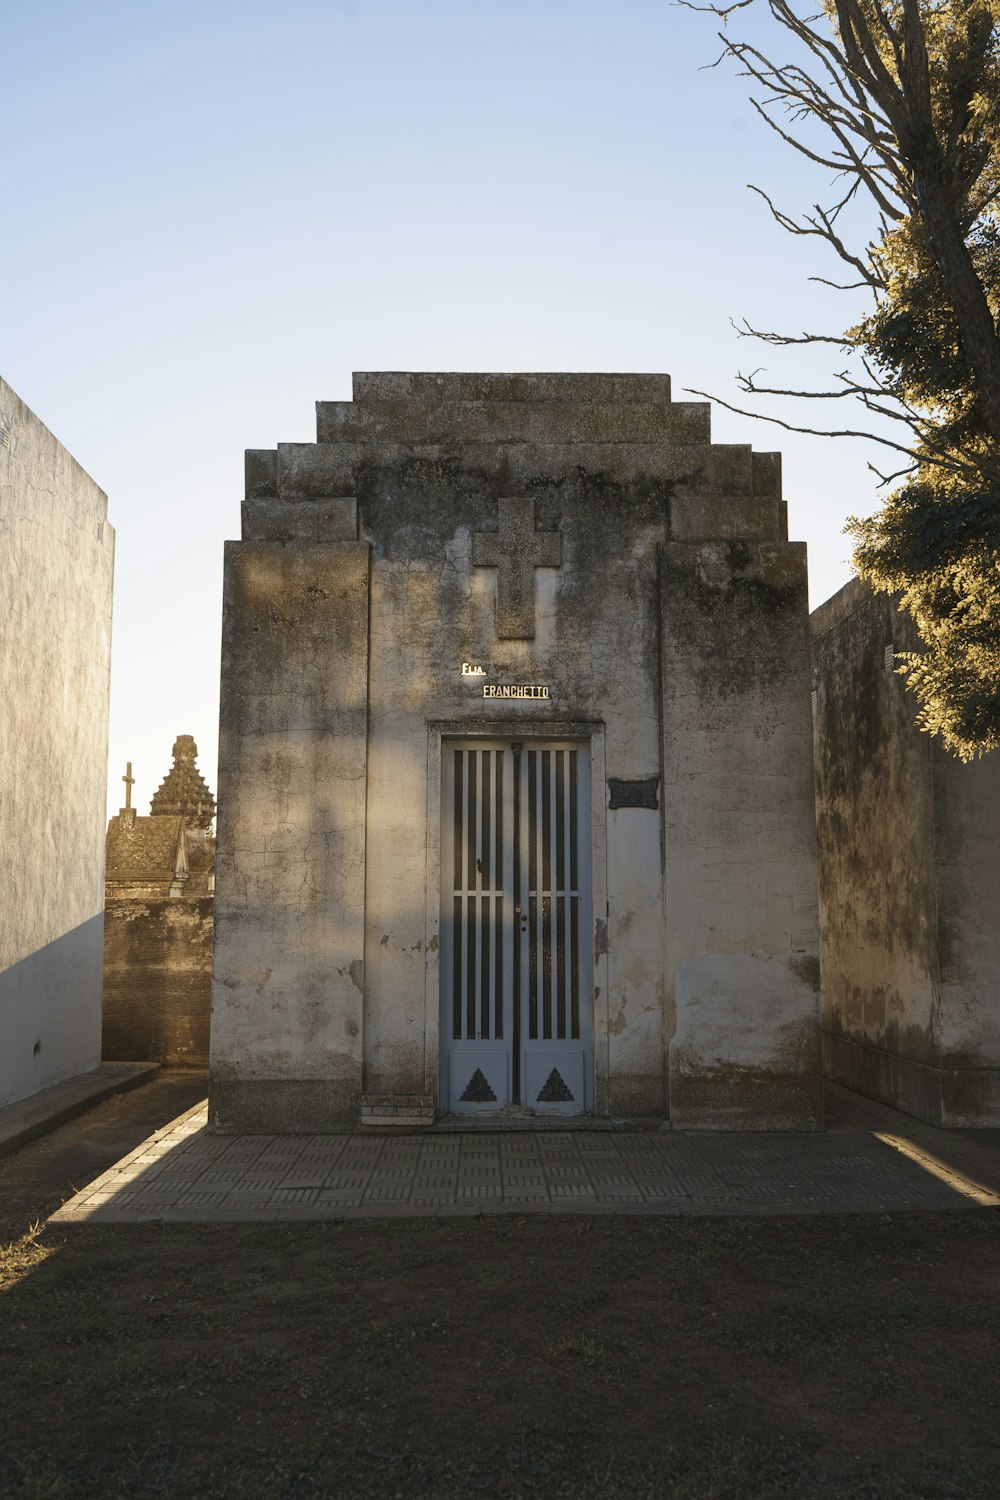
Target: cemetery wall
x=909 y=880
x=56 y=566
x=158 y=980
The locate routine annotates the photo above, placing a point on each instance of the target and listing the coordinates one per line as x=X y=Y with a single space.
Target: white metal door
x=516 y=922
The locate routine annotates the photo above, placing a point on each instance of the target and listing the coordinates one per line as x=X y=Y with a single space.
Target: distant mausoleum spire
x=183 y=792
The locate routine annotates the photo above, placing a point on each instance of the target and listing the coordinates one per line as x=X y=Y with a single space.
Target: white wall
x=56 y=568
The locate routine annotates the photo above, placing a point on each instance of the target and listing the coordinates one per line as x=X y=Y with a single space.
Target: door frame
x=590 y=736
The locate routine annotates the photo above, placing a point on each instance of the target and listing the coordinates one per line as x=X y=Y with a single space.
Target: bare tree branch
x=781 y=339
x=885 y=479
x=869 y=85
x=821 y=231
x=947 y=462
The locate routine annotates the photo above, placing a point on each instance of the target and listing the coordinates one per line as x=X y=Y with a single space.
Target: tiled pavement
x=871 y=1160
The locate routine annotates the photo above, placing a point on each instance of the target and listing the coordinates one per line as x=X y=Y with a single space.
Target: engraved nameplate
x=515 y=690
x=641 y=793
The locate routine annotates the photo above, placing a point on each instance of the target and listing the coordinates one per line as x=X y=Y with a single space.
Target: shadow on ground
x=38 y=1178
x=588 y=1357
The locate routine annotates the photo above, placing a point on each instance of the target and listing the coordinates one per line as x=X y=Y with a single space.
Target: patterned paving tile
x=286 y=1145
x=262 y=1180
x=299 y=1176
x=388 y=1192
x=220 y=1173
x=187 y=1174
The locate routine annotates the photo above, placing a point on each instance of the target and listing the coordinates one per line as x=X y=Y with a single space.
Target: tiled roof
x=145 y=847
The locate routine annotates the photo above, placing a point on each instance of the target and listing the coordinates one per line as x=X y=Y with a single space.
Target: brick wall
x=158 y=980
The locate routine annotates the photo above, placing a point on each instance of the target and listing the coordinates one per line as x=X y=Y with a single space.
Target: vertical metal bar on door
x=508 y=898
x=555 y=757
x=521 y=921
x=459 y=939
x=564 y=897
x=489 y=910
x=538 y=964
x=477 y=897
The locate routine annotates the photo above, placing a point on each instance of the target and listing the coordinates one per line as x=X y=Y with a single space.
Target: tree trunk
x=962 y=283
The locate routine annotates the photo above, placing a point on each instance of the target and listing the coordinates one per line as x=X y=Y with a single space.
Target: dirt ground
x=536 y=1356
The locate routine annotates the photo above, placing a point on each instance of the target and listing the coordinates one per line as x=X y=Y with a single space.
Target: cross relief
x=516 y=549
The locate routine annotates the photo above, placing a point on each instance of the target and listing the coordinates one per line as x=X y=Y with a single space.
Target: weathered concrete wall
x=56 y=567
x=290 y=860
x=909 y=880
x=967 y=872
x=157 y=980
x=646 y=508
x=742 y=939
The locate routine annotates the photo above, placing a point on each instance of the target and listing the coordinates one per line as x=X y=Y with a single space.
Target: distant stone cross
x=129 y=781
x=516 y=550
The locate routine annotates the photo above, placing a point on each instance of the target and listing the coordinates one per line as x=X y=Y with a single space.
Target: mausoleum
x=515 y=782
x=158 y=919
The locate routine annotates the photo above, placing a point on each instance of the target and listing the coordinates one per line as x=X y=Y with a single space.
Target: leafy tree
x=906 y=98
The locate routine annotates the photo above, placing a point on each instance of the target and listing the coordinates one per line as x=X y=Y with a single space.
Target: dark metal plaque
x=640 y=793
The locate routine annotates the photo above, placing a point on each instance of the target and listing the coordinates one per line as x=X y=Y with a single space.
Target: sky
x=212 y=213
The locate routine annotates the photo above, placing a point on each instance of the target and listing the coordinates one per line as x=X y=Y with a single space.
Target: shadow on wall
x=50 y=1012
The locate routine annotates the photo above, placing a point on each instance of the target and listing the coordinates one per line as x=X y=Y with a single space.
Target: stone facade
x=159 y=921
x=158 y=980
x=515 y=767
x=909 y=881
x=56 y=567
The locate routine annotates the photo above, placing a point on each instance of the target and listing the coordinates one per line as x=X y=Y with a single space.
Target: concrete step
x=406 y=385
x=321 y=470
x=512 y=421
x=27 y=1119
x=735 y=518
